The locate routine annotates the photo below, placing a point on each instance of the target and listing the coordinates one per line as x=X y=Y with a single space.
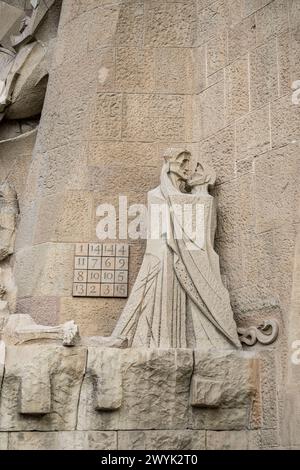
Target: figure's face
x=181 y=166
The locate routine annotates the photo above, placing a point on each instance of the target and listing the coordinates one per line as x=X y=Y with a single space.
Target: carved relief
x=178 y=299
x=265 y=334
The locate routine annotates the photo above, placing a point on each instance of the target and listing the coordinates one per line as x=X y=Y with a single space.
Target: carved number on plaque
x=101 y=270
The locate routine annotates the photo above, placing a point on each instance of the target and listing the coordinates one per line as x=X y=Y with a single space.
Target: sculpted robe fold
x=178 y=299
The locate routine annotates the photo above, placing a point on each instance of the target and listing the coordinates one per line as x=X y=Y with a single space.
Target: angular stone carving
x=179 y=299
x=8 y=219
x=169 y=389
x=266 y=333
x=20 y=329
x=24 y=62
x=41 y=387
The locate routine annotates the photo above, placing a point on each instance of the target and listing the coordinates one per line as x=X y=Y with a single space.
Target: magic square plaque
x=101 y=270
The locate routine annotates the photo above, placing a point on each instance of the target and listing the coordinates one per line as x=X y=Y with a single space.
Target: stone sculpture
x=265 y=334
x=21 y=329
x=178 y=299
x=8 y=219
x=23 y=60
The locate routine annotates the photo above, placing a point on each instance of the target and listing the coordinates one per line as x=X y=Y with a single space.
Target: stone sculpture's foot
x=105 y=342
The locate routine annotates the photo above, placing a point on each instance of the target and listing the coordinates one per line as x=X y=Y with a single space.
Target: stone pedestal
x=155 y=398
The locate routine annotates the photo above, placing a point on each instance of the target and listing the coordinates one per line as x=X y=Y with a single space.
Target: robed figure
x=178 y=299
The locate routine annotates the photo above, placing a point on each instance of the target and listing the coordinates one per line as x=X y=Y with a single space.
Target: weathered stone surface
x=237 y=89
x=93 y=316
x=63 y=368
x=163 y=374
x=285 y=121
x=161 y=440
x=238 y=389
x=154 y=118
x=216 y=54
x=241 y=38
x=253 y=133
x=211 y=105
x=50 y=266
x=211 y=21
x=68 y=440
x=275 y=174
x=263 y=74
x=232 y=440
x=3 y=440
x=272 y=19
x=219 y=152
x=135 y=69
x=170 y=24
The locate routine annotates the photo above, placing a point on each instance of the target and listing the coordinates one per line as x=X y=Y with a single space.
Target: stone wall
x=132 y=77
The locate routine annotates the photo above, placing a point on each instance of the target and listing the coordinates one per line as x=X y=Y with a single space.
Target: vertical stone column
x=119 y=91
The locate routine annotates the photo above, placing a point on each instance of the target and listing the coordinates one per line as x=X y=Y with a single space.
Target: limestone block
x=232 y=440
x=153 y=118
x=276 y=174
x=272 y=19
x=199 y=55
x=103 y=24
x=64 y=440
x=237 y=89
x=3 y=440
x=2 y=361
x=216 y=54
x=106 y=69
x=130 y=24
x=219 y=152
x=212 y=110
x=135 y=69
x=50 y=266
x=285 y=119
x=263 y=74
x=163 y=375
x=108 y=387
x=241 y=38
x=211 y=21
x=44 y=310
x=35 y=391
x=106 y=117
x=269 y=390
x=93 y=316
x=170 y=24
x=73 y=40
x=206 y=393
x=253 y=133
x=238 y=388
x=161 y=440
x=294 y=13
x=174 y=70
x=285 y=60
x=105 y=178
x=128 y=154
x=64 y=217
x=23 y=367
x=63 y=168
x=250 y=6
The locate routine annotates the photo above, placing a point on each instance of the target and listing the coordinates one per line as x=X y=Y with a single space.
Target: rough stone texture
x=161 y=440
x=3 y=440
x=26 y=380
x=143 y=374
x=68 y=440
x=112 y=106
x=232 y=440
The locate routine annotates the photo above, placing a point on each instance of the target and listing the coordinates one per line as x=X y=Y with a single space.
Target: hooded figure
x=178 y=299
